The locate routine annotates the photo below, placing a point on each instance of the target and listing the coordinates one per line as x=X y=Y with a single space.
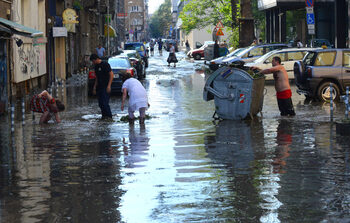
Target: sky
x=153 y=5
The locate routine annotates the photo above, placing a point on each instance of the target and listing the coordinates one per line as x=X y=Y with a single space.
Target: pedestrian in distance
x=254 y=43
x=137 y=98
x=172 y=56
x=160 y=47
x=151 y=45
x=299 y=44
x=47 y=105
x=102 y=85
x=324 y=46
x=216 y=49
x=100 y=51
x=283 y=91
x=188 y=48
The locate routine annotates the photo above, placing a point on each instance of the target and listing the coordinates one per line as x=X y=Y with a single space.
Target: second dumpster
x=236 y=93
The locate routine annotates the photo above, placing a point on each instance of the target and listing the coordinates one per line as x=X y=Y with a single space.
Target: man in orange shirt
x=283 y=91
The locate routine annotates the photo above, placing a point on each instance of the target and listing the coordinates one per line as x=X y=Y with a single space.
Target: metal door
x=3 y=76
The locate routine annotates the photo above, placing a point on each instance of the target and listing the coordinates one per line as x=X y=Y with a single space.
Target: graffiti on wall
x=29 y=59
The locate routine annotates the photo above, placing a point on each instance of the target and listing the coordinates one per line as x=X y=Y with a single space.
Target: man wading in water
x=283 y=91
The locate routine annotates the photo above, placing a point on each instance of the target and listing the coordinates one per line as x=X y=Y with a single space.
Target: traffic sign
x=310 y=19
x=220 y=32
x=309 y=3
x=311 y=32
x=309 y=10
x=312 y=26
x=219 y=25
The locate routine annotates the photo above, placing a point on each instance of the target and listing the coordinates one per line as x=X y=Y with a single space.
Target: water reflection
x=236 y=145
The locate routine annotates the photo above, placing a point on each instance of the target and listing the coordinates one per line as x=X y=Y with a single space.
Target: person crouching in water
x=46 y=104
x=283 y=91
x=172 y=57
x=137 y=97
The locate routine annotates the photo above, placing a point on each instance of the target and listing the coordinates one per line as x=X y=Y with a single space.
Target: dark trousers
x=286 y=106
x=103 y=102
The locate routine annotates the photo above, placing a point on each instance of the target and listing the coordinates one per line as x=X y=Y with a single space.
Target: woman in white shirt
x=137 y=97
x=172 y=57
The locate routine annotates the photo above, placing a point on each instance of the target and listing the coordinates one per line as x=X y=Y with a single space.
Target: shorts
x=142 y=112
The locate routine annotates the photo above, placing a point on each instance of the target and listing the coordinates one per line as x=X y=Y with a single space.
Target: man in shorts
x=283 y=91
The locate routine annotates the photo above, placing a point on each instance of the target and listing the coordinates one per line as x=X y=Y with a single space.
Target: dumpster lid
x=225 y=71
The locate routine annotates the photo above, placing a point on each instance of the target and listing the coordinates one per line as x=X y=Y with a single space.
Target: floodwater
x=181 y=166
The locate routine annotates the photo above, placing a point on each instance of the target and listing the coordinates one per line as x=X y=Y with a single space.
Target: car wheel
x=197 y=57
x=323 y=92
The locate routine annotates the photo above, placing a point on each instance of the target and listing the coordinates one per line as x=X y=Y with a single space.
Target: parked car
x=197 y=54
x=318 y=69
x=139 y=47
x=215 y=63
x=288 y=57
x=254 y=52
x=136 y=61
x=314 y=43
x=120 y=65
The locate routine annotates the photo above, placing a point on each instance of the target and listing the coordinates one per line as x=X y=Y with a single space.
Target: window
x=119 y=63
x=135 y=8
x=296 y=55
x=346 y=59
x=256 y=52
x=325 y=58
x=280 y=55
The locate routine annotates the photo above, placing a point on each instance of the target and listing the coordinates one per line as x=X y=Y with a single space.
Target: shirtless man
x=283 y=91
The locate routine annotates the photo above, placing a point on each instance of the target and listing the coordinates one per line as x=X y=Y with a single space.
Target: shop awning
x=19 y=29
x=111 y=30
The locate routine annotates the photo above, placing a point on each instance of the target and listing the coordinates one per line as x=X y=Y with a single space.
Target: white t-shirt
x=137 y=94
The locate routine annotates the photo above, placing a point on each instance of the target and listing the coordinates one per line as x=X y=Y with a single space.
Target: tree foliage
x=161 y=20
x=198 y=14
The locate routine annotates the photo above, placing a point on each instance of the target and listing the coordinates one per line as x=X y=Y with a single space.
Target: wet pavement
x=181 y=166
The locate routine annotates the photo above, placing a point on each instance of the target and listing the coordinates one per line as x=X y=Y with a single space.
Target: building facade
x=331 y=19
x=136 y=20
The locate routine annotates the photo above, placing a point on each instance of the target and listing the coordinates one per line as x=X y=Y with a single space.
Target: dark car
x=120 y=66
x=318 y=69
x=139 y=47
x=136 y=61
x=314 y=43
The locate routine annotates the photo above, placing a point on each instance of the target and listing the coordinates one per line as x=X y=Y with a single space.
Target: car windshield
x=235 y=52
x=246 y=50
x=119 y=62
x=131 y=46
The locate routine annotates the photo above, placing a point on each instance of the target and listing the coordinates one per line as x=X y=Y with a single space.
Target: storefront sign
x=59 y=32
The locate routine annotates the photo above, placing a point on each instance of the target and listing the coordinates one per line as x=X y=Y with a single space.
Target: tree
x=198 y=14
x=160 y=22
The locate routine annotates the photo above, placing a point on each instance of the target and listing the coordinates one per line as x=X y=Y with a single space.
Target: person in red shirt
x=46 y=104
x=283 y=91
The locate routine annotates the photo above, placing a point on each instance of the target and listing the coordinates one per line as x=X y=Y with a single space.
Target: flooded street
x=181 y=166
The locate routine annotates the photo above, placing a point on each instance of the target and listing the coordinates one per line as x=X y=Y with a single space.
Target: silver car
x=254 y=52
x=288 y=57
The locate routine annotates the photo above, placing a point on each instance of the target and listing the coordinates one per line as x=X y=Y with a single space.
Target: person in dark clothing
x=160 y=47
x=102 y=86
x=216 y=49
